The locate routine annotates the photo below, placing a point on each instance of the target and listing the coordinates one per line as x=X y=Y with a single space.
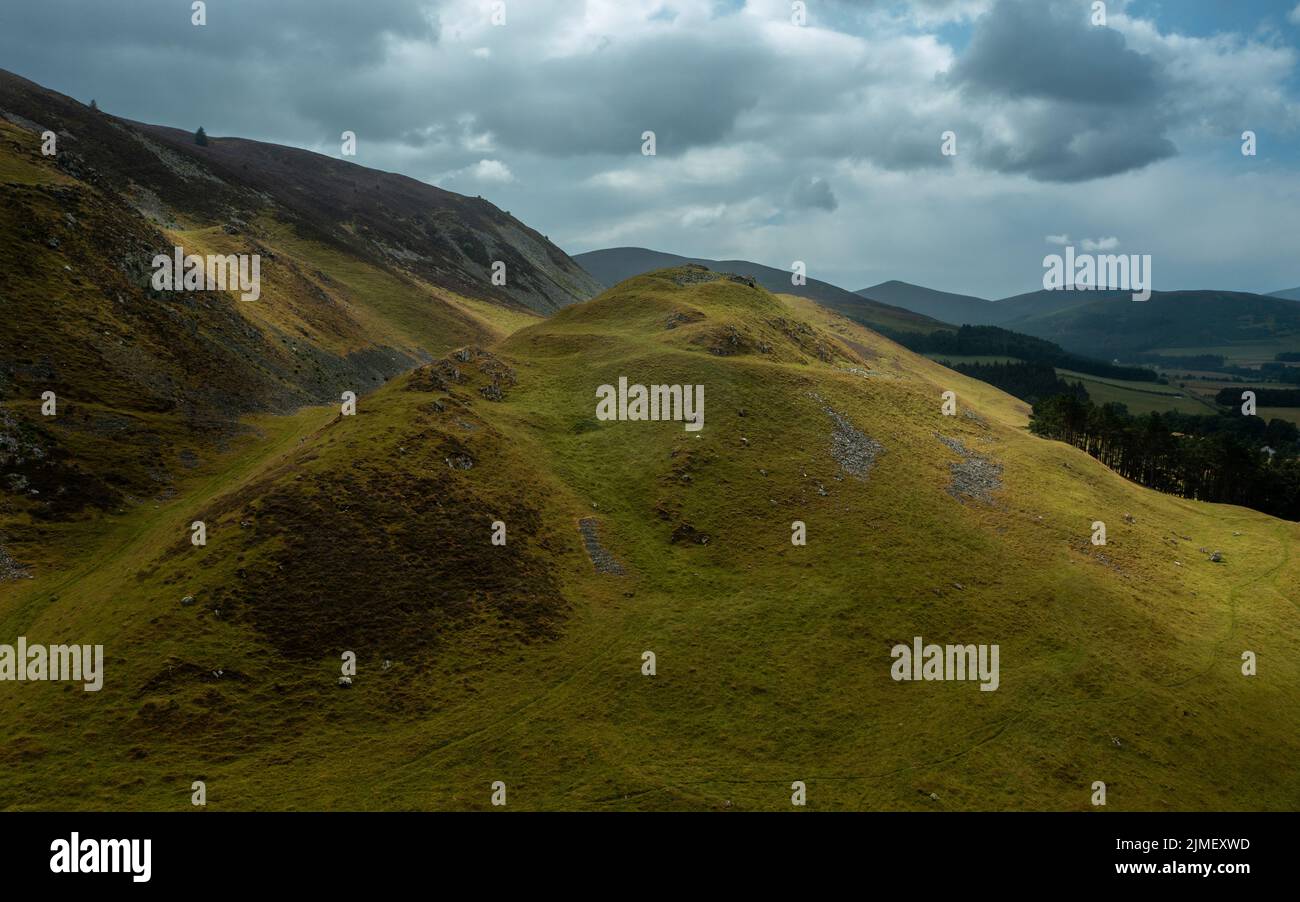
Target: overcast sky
x=776 y=142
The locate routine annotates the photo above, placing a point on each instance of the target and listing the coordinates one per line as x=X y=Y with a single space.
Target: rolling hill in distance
x=1189 y=321
x=613 y=265
x=1108 y=324
x=523 y=662
x=944 y=306
x=1100 y=324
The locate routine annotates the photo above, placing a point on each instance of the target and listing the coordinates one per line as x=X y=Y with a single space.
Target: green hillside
x=617 y=264
x=522 y=663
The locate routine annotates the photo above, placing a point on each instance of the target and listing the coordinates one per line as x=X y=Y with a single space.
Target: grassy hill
x=523 y=663
x=614 y=265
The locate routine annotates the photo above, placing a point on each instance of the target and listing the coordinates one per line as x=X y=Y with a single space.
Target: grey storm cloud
x=755 y=119
x=289 y=30
x=811 y=193
x=1049 y=50
x=1075 y=145
x=684 y=88
x=313 y=67
x=256 y=68
x=1085 y=104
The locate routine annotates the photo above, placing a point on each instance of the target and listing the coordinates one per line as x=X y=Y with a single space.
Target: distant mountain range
x=614 y=265
x=1108 y=324
x=1101 y=324
x=963 y=309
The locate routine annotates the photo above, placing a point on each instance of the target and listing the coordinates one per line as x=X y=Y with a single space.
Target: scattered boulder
x=187 y=601
x=1216 y=557
x=692 y=274
x=685 y=532
x=727 y=341
x=345 y=682
x=460 y=462
x=681 y=318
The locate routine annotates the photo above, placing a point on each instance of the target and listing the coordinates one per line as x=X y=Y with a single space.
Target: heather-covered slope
x=383 y=219
x=363 y=275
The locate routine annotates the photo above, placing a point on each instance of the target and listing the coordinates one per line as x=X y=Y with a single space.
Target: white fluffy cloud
x=492 y=171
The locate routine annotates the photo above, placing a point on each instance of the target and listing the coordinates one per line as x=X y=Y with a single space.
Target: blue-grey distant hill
x=1107 y=324
x=960 y=309
x=1101 y=324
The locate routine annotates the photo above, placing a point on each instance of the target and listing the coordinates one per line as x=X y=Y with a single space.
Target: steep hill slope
x=384 y=219
x=523 y=663
x=363 y=275
x=613 y=265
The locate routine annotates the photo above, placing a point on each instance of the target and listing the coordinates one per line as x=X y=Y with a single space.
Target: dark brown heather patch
x=389 y=564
